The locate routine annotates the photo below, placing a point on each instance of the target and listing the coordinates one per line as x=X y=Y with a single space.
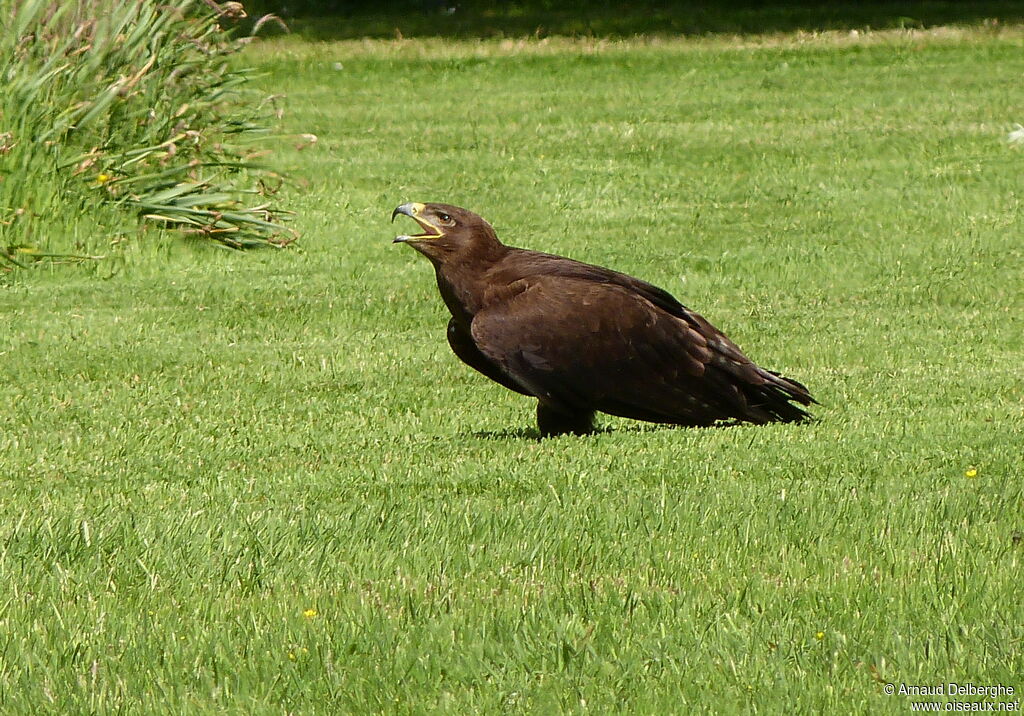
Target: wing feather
x=463 y=346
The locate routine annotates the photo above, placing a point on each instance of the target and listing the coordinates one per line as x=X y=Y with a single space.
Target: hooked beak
x=414 y=210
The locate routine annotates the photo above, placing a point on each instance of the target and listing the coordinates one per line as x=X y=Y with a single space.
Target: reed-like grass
x=121 y=113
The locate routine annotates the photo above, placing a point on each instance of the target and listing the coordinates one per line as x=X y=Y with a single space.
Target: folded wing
x=581 y=344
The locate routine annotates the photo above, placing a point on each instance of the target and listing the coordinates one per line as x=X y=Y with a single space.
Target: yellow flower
x=103 y=178
x=309 y=613
x=820 y=635
x=971 y=472
x=291 y=656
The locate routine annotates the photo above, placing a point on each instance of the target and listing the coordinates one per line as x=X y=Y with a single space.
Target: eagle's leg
x=557 y=421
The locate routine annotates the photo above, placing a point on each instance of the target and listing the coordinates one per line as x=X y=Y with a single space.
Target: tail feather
x=773 y=399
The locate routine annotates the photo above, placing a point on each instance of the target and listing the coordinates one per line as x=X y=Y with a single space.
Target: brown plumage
x=582 y=338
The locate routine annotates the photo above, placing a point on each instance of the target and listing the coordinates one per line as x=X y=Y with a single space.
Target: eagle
x=583 y=339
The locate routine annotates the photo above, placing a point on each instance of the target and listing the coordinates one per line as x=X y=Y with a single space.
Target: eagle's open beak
x=414 y=210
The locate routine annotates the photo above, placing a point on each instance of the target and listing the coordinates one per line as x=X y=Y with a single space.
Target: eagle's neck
x=462 y=279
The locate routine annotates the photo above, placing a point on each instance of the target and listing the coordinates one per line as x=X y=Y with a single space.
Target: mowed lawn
x=261 y=483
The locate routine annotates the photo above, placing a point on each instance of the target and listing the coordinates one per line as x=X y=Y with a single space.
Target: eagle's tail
x=772 y=400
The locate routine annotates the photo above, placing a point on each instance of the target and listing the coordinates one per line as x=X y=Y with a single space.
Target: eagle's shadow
x=533 y=434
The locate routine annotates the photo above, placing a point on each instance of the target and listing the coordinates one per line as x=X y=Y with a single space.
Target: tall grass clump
x=120 y=116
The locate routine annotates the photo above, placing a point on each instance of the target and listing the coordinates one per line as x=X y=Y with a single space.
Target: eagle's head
x=447 y=230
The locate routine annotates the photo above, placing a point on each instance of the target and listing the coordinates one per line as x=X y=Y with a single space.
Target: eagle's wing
x=463 y=346
x=578 y=344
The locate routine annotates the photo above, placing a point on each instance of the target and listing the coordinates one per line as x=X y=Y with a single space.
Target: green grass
x=208 y=444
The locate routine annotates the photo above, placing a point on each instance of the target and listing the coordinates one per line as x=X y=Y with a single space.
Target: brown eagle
x=583 y=338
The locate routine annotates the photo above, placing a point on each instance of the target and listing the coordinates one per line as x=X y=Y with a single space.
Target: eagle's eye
x=445 y=218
